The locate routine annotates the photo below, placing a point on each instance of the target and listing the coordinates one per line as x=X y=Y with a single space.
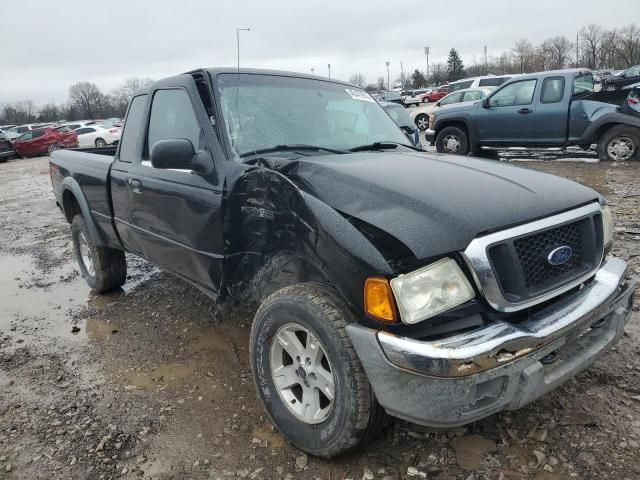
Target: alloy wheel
x=85 y=255
x=621 y=148
x=302 y=373
x=451 y=143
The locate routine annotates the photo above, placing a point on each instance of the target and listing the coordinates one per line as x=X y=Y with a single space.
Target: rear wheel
x=422 y=121
x=52 y=148
x=100 y=142
x=307 y=373
x=619 y=144
x=103 y=268
x=452 y=140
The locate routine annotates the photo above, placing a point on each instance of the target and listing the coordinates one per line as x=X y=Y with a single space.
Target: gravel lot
x=154 y=382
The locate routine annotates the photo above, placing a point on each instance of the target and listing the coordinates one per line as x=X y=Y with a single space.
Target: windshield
x=263 y=111
x=400 y=115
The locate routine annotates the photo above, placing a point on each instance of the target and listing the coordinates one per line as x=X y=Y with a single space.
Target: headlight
x=431 y=290
x=607 y=225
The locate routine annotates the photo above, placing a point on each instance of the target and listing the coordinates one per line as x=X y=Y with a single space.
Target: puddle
x=273 y=438
x=471 y=450
x=163 y=375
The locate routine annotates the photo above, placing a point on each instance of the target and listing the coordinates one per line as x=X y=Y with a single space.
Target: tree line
x=86 y=101
x=595 y=47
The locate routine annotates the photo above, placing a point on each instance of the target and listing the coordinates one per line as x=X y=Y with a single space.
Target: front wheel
x=422 y=121
x=103 y=268
x=307 y=373
x=452 y=140
x=619 y=144
x=52 y=148
x=610 y=88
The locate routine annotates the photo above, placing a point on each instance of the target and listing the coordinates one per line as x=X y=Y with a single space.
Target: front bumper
x=501 y=366
x=7 y=154
x=430 y=136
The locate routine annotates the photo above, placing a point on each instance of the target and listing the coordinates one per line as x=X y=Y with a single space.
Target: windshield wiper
x=383 y=146
x=291 y=147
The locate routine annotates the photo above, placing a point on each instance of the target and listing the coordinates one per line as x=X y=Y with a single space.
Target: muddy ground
x=153 y=382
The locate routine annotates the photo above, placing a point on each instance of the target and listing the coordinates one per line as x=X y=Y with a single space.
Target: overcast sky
x=48 y=45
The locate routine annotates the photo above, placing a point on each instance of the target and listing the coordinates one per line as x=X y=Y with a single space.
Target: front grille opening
x=521 y=265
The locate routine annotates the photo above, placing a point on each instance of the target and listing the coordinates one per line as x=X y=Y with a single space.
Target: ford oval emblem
x=560 y=255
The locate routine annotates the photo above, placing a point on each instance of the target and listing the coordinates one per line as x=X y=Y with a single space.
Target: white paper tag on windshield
x=359 y=95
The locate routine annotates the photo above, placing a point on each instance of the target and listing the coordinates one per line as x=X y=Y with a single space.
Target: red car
x=436 y=94
x=44 y=141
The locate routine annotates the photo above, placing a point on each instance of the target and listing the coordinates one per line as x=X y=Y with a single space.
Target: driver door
x=509 y=117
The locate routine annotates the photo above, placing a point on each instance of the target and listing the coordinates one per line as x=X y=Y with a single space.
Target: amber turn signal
x=378 y=299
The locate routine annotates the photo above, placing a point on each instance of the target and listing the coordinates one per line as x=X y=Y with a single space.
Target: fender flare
x=69 y=184
x=608 y=120
x=465 y=119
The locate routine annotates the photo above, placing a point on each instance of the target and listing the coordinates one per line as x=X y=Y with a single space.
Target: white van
x=487 y=81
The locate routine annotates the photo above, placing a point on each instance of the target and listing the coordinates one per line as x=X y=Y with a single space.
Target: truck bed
x=84 y=174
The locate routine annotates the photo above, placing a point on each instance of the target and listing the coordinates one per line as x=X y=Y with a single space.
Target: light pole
x=238 y=30
x=485 y=60
x=426 y=54
x=329 y=67
x=312 y=70
x=388 y=83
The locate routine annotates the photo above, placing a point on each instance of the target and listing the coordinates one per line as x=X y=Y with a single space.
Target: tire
x=422 y=121
x=610 y=88
x=52 y=148
x=100 y=142
x=425 y=100
x=619 y=144
x=103 y=268
x=452 y=140
x=332 y=427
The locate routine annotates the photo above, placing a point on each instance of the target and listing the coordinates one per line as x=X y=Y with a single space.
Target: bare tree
x=558 y=49
x=590 y=45
x=358 y=80
x=523 y=53
x=438 y=74
x=121 y=95
x=49 y=113
x=608 y=49
x=629 y=45
x=380 y=83
x=18 y=112
x=87 y=98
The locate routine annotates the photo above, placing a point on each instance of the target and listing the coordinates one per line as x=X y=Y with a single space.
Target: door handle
x=525 y=111
x=135 y=184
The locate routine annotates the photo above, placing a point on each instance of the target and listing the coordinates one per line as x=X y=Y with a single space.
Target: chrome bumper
x=500 y=366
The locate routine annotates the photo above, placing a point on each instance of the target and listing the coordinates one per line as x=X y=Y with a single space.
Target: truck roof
x=553 y=73
x=256 y=71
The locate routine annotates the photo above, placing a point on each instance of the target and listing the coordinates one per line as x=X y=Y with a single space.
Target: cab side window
x=172 y=117
x=517 y=93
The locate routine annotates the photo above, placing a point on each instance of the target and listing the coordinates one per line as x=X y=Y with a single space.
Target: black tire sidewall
x=78 y=225
x=319 y=438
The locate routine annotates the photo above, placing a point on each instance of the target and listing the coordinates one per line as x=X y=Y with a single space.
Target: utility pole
x=426 y=54
x=388 y=82
x=329 y=67
x=238 y=30
x=485 y=59
x=312 y=70
x=577 y=52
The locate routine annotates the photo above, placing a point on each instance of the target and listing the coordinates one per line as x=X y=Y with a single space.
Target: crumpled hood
x=433 y=203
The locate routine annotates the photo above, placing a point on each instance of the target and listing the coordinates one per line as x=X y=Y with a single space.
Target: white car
x=97 y=136
x=422 y=114
x=15 y=132
x=487 y=81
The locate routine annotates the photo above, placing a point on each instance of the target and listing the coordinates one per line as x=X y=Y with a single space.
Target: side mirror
x=485 y=102
x=437 y=104
x=174 y=153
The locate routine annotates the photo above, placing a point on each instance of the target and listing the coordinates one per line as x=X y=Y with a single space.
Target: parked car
x=435 y=94
x=391 y=96
x=413 y=97
x=431 y=288
x=16 y=131
x=487 y=81
x=542 y=110
x=6 y=128
x=399 y=115
x=45 y=141
x=97 y=136
x=622 y=79
x=421 y=114
x=6 y=148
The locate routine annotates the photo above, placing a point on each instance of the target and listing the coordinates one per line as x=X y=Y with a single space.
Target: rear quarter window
x=133 y=129
x=552 y=90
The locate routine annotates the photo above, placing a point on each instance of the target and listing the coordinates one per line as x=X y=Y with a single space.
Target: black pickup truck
x=434 y=288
